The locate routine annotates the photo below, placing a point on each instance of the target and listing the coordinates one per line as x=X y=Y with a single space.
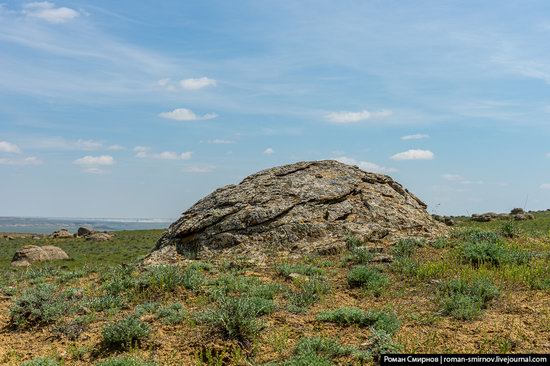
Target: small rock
x=36 y=238
x=61 y=234
x=99 y=237
x=31 y=253
x=83 y=231
x=516 y=211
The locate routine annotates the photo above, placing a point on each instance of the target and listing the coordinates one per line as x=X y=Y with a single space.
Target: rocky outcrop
x=299 y=208
x=32 y=253
x=61 y=234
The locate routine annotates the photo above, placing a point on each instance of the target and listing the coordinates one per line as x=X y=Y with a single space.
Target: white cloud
x=196 y=84
x=269 y=151
x=413 y=155
x=49 y=12
x=8 y=147
x=184 y=114
x=30 y=160
x=453 y=177
x=417 y=136
x=59 y=143
x=116 y=148
x=220 y=142
x=198 y=169
x=354 y=117
x=548 y=155
x=167 y=84
x=545 y=186
x=95 y=160
x=145 y=152
x=365 y=165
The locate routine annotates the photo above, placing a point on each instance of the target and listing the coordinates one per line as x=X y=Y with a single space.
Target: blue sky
x=138 y=109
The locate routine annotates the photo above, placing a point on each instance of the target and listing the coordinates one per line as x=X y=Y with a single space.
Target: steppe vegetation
x=484 y=288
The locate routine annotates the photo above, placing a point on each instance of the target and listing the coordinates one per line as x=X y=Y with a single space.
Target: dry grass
x=517 y=321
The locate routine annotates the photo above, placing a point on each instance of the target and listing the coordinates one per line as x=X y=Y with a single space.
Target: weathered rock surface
x=32 y=253
x=61 y=234
x=84 y=231
x=298 y=208
x=99 y=236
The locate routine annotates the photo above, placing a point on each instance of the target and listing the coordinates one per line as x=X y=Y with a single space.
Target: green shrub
x=117 y=280
x=162 y=278
x=146 y=308
x=358 y=255
x=465 y=299
x=405 y=266
x=193 y=278
x=304 y=269
x=125 y=333
x=42 y=361
x=39 y=305
x=405 y=248
x=237 y=317
x=125 y=361
x=172 y=314
x=352 y=242
x=476 y=235
x=107 y=302
x=382 y=343
x=478 y=253
x=242 y=285
x=378 y=319
x=441 y=243
x=370 y=279
x=308 y=293
x=509 y=230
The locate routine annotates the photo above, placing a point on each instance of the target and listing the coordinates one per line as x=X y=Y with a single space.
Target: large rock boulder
x=32 y=253
x=298 y=208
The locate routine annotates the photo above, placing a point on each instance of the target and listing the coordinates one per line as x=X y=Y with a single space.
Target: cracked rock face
x=298 y=208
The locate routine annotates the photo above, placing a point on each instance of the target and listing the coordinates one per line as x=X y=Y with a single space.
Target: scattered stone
x=523 y=216
x=516 y=211
x=32 y=253
x=99 y=237
x=299 y=208
x=9 y=237
x=36 y=238
x=61 y=234
x=84 y=231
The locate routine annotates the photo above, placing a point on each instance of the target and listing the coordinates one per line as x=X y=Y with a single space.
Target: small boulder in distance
x=84 y=231
x=99 y=237
x=33 y=253
x=61 y=234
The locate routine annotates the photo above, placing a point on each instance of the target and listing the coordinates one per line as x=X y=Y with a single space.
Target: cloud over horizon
x=49 y=12
x=198 y=83
x=354 y=117
x=8 y=147
x=414 y=154
x=184 y=114
x=365 y=165
x=418 y=136
x=89 y=160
